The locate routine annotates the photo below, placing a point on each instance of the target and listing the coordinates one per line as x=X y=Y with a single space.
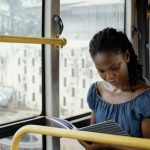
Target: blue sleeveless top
x=128 y=115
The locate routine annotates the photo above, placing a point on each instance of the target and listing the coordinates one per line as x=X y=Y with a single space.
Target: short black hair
x=111 y=40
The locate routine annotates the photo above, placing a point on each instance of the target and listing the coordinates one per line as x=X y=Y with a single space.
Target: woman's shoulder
x=147 y=82
x=142 y=87
x=142 y=102
x=103 y=86
x=143 y=94
x=92 y=86
x=91 y=96
x=94 y=89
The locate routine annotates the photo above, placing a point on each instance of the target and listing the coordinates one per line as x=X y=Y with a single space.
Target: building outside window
x=82 y=19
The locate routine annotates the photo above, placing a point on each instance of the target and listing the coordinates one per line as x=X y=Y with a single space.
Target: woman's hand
x=98 y=146
x=92 y=146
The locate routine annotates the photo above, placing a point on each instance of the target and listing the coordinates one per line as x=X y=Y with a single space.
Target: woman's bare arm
x=145 y=127
x=93 y=118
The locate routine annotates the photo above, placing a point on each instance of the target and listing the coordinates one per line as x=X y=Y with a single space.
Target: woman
x=123 y=96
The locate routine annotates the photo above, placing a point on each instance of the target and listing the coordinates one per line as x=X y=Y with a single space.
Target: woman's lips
x=113 y=82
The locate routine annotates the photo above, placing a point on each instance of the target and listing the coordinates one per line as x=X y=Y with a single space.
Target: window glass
x=82 y=19
x=28 y=142
x=20 y=79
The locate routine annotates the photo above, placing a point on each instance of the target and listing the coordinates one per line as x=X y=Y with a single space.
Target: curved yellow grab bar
x=80 y=135
x=33 y=40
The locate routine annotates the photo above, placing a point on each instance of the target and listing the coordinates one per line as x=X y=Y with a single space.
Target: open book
x=108 y=127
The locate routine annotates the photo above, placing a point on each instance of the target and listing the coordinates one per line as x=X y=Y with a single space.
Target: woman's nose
x=109 y=75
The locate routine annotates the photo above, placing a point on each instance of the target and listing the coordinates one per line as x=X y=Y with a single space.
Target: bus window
x=81 y=20
x=20 y=64
x=28 y=142
x=20 y=68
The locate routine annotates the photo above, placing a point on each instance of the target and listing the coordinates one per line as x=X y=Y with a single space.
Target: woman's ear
x=126 y=56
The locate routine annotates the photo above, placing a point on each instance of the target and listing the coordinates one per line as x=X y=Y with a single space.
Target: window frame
x=50 y=80
x=8 y=129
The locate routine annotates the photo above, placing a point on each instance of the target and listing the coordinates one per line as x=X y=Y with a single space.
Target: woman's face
x=112 y=67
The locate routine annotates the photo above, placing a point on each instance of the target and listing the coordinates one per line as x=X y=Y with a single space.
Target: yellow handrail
x=80 y=135
x=33 y=40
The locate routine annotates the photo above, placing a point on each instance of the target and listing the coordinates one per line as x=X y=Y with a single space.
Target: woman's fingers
x=83 y=143
x=92 y=146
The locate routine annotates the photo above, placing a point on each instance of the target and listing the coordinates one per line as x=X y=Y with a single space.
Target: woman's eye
x=114 y=68
x=100 y=71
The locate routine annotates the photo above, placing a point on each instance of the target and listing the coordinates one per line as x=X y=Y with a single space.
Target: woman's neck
x=124 y=87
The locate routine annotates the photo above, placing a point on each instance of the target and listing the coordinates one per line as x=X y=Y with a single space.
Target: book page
x=108 y=127
x=61 y=123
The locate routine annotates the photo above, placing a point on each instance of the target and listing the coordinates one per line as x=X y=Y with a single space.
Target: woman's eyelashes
x=114 y=68
x=100 y=71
